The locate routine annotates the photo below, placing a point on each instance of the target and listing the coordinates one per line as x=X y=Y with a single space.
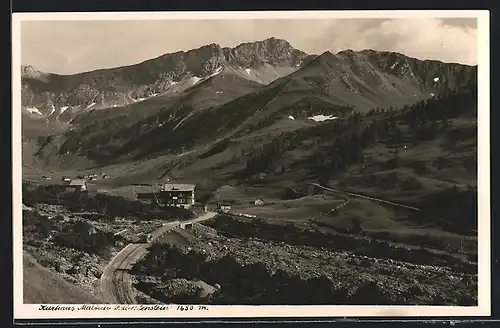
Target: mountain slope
x=338 y=84
x=44 y=286
x=369 y=79
x=63 y=96
x=364 y=153
x=224 y=105
x=216 y=89
x=406 y=155
x=345 y=82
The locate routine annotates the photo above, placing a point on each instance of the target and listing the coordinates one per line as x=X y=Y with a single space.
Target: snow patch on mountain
x=52 y=110
x=33 y=110
x=322 y=118
x=63 y=109
x=193 y=80
x=217 y=72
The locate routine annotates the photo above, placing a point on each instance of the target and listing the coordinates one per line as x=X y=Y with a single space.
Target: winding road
x=116 y=284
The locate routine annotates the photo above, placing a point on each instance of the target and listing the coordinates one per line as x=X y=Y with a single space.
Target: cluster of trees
x=348 y=148
x=77 y=200
x=84 y=237
x=34 y=224
x=107 y=205
x=448 y=105
x=80 y=235
x=265 y=157
x=453 y=209
x=425 y=119
x=451 y=103
x=352 y=135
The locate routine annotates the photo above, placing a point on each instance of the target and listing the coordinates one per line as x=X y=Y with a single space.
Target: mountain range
x=53 y=94
x=177 y=102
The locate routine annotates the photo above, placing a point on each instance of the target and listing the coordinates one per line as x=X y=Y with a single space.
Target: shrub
x=84 y=237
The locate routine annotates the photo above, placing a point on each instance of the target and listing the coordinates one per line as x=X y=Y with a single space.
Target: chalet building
x=180 y=195
x=78 y=184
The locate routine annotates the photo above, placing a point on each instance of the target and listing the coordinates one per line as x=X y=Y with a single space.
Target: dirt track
x=365 y=197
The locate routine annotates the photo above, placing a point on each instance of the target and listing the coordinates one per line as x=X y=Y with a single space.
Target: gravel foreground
x=255 y=271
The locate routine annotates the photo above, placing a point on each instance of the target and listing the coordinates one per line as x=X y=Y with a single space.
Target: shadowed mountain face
x=370 y=79
x=64 y=96
x=181 y=101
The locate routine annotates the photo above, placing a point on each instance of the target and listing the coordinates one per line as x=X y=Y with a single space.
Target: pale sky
x=68 y=47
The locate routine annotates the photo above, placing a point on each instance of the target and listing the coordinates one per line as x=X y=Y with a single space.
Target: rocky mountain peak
x=270 y=45
x=328 y=55
x=273 y=42
x=29 y=71
x=346 y=53
x=272 y=51
x=209 y=49
x=326 y=58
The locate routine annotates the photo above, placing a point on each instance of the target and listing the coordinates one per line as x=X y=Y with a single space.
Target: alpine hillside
x=63 y=96
x=188 y=102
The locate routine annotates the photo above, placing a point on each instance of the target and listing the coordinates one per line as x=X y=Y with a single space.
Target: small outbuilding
x=259 y=201
x=225 y=208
